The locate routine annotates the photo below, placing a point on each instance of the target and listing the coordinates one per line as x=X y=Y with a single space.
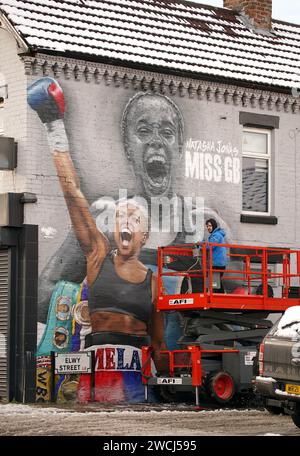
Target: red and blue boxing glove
x=45 y=96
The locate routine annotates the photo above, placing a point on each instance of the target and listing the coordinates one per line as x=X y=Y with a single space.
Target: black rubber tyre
x=296 y=419
x=274 y=410
x=171 y=395
x=221 y=387
x=168 y=394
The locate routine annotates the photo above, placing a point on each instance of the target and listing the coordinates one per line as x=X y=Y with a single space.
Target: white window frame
x=268 y=157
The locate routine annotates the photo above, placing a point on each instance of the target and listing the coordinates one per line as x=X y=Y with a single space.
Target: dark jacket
x=219 y=256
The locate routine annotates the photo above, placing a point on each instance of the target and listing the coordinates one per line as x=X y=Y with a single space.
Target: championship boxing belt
x=57 y=335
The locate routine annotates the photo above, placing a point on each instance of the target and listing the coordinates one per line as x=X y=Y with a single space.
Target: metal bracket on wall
x=28 y=198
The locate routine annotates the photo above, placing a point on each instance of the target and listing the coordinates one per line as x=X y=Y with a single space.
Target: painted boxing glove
x=46 y=97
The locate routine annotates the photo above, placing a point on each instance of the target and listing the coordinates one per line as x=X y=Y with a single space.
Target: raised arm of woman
x=45 y=96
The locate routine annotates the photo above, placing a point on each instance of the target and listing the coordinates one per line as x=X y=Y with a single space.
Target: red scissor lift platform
x=231 y=318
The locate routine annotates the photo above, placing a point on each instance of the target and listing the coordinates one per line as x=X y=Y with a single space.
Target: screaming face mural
x=105 y=298
x=153 y=138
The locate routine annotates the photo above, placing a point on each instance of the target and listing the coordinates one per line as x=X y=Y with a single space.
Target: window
x=257 y=278
x=256 y=171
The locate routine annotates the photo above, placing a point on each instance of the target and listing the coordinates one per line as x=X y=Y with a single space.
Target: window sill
x=259 y=219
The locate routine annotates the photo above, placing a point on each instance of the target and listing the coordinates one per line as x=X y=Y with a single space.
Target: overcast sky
x=285 y=10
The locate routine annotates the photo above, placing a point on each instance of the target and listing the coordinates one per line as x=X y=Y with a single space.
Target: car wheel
x=172 y=395
x=274 y=410
x=221 y=387
x=296 y=419
x=168 y=393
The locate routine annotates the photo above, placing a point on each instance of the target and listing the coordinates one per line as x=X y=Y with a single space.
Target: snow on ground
x=269 y=434
x=104 y=420
x=36 y=410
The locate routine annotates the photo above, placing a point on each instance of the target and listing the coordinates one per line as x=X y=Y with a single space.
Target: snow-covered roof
x=164 y=35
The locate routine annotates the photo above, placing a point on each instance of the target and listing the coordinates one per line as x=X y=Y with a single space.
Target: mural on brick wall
x=104 y=299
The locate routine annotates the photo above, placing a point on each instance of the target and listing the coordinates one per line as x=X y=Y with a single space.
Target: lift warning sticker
x=249 y=358
x=175 y=302
x=73 y=363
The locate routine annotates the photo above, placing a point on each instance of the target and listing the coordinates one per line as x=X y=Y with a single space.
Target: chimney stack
x=258 y=10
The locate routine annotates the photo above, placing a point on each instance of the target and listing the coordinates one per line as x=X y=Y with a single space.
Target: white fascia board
x=4 y=22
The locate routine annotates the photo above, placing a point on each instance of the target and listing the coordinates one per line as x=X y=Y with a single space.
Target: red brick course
x=259 y=10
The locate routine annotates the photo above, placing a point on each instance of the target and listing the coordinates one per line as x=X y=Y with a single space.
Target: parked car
x=278 y=381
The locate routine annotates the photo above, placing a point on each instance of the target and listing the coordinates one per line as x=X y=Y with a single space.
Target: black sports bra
x=111 y=293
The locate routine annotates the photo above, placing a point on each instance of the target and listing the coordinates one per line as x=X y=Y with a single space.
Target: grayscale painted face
x=152 y=134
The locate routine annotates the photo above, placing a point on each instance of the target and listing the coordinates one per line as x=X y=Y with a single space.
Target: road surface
x=97 y=420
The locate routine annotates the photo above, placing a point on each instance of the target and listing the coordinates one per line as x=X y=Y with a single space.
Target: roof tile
x=172 y=35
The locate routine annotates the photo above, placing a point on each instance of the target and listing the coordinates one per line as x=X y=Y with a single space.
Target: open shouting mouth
x=157 y=170
x=126 y=236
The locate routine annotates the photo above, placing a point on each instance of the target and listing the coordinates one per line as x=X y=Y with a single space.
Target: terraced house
x=180 y=104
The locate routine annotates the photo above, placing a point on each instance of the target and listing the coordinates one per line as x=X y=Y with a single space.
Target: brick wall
x=93 y=124
x=259 y=10
x=14 y=112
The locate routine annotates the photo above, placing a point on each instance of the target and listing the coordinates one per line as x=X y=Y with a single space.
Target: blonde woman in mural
x=152 y=128
x=152 y=139
x=121 y=290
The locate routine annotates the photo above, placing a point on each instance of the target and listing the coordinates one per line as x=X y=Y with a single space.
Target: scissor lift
x=222 y=327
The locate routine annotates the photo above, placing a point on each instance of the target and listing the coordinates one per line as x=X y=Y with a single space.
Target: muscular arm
x=46 y=98
x=157 y=331
x=93 y=243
